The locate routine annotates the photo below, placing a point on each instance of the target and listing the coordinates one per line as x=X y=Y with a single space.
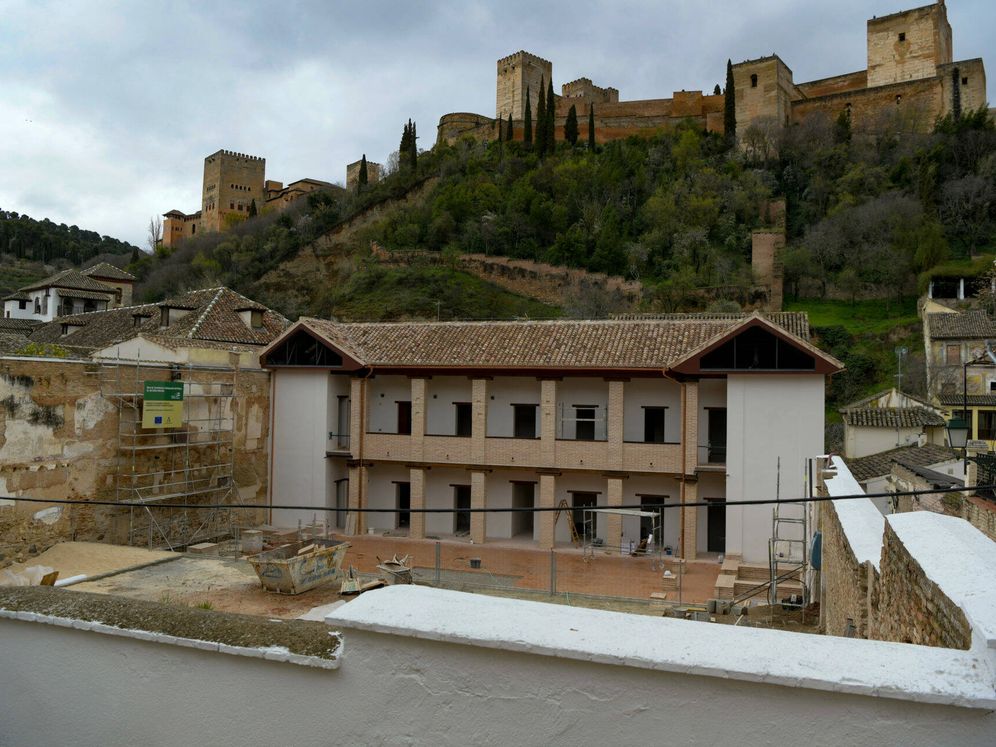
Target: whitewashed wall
x=441 y=393
x=440 y=493
x=627 y=680
x=769 y=417
x=862 y=441
x=581 y=391
x=299 y=439
x=382 y=493
x=503 y=392
x=641 y=393
x=383 y=394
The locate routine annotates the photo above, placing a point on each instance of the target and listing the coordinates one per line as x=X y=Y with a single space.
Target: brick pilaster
x=613 y=522
x=548 y=422
x=615 y=424
x=359 y=485
x=478 y=447
x=547 y=493
x=416 y=478
x=418 y=419
x=691 y=417
x=478 y=499
x=689 y=529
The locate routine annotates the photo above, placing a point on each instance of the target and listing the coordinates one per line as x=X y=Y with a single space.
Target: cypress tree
x=361 y=179
x=527 y=124
x=541 y=121
x=716 y=91
x=571 y=126
x=405 y=146
x=509 y=132
x=591 y=126
x=551 y=118
x=413 y=149
x=253 y=212
x=730 y=106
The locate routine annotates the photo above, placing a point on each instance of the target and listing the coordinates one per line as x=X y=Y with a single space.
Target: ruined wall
x=59 y=439
x=452 y=127
x=766 y=262
x=965 y=79
x=353 y=173
x=981 y=514
x=851 y=588
x=911 y=608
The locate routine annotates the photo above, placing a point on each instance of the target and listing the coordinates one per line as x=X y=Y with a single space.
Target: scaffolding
x=788 y=550
x=591 y=544
x=190 y=464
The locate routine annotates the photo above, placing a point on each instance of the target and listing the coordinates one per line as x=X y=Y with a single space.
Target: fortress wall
x=973 y=92
x=920 y=103
x=836 y=84
x=908 y=45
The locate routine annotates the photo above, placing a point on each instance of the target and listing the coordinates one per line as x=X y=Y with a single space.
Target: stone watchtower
x=516 y=73
x=231 y=182
x=908 y=45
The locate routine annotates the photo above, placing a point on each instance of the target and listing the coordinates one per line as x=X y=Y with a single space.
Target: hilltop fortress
x=910 y=75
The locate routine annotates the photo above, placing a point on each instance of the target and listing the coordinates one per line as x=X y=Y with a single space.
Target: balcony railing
x=712 y=454
x=338 y=442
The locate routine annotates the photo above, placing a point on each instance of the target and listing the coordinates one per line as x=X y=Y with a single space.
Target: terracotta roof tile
x=73 y=279
x=796 y=322
x=877 y=465
x=891 y=417
x=959 y=326
x=106 y=271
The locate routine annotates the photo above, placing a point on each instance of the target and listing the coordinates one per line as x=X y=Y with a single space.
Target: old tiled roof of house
x=82 y=294
x=891 y=417
x=974 y=324
x=17 y=296
x=973 y=400
x=72 y=279
x=11 y=342
x=877 y=465
x=21 y=326
x=213 y=318
x=108 y=272
x=796 y=322
x=600 y=344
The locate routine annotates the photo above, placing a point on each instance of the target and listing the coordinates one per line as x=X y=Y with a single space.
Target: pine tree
x=527 y=124
x=361 y=179
x=253 y=212
x=509 y=133
x=571 y=126
x=591 y=126
x=541 y=121
x=730 y=106
x=551 y=118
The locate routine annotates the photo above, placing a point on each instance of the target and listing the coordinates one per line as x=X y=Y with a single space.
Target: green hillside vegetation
x=25 y=238
x=869 y=216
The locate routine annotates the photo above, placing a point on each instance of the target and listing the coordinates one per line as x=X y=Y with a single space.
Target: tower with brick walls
x=517 y=73
x=231 y=182
x=909 y=45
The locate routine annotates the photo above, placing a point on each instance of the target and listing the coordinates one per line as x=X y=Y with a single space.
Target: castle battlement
x=523 y=55
x=234 y=154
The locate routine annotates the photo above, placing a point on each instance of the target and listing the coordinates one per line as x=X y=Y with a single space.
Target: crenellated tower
x=517 y=73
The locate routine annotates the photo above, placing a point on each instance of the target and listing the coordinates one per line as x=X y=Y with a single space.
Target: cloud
x=109 y=108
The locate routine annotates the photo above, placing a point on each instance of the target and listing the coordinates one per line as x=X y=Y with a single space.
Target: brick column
x=691 y=429
x=547 y=493
x=357 y=391
x=613 y=522
x=418 y=419
x=359 y=484
x=478 y=499
x=416 y=477
x=615 y=424
x=479 y=426
x=548 y=422
x=689 y=529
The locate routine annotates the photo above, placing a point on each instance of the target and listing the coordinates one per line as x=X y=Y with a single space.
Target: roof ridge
x=207 y=310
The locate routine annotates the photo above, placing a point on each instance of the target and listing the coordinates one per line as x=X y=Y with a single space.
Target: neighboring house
x=956 y=344
x=579 y=414
x=874 y=472
x=97 y=288
x=889 y=419
x=198 y=327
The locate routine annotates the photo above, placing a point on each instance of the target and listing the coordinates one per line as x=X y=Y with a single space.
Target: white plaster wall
x=382 y=493
x=439 y=493
x=300 y=435
x=396 y=690
x=581 y=391
x=712 y=393
x=441 y=393
x=769 y=417
x=640 y=393
x=139 y=348
x=579 y=482
x=505 y=391
x=13 y=310
x=861 y=441
x=500 y=492
x=383 y=394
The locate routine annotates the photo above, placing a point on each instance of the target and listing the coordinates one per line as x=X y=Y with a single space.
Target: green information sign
x=163 y=407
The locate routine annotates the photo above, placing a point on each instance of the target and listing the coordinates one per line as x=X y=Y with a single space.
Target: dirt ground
x=91 y=558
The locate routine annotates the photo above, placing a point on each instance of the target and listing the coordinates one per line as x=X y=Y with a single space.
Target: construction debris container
x=287 y=570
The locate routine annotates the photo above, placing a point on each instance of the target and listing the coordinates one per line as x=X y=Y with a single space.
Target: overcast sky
x=107 y=109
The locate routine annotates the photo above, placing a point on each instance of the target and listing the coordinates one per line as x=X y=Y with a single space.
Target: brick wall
x=981 y=514
x=911 y=608
x=851 y=588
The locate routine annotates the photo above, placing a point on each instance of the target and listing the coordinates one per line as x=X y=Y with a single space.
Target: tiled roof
x=602 y=344
x=213 y=317
x=973 y=400
x=10 y=324
x=877 y=465
x=107 y=271
x=11 y=342
x=891 y=417
x=960 y=326
x=73 y=279
x=796 y=322
x=82 y=294
x=17 y=296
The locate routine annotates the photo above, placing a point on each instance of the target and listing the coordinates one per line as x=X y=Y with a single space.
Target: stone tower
x=516 y=73
x=908 y=45
x=763 y=91
x=231 y=182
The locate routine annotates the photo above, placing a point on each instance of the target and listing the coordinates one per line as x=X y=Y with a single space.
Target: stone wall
x=981 y=514
x=59 y=439
x=851 y=588
x=908 y=45
x=231 y=182
x=911 y=608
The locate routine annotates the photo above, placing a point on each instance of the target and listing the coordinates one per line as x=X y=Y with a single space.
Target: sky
x=107 y=109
